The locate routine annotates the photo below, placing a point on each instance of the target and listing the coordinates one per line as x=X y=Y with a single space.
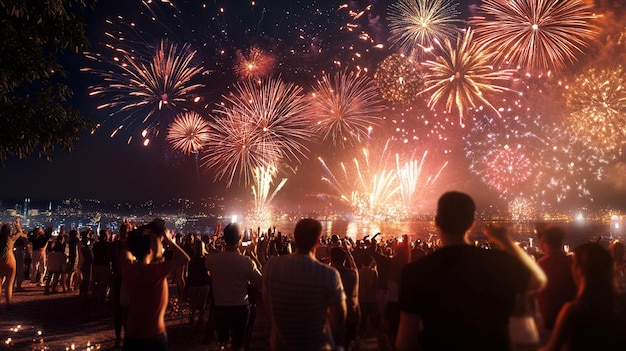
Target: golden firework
x=400 y=79
x=462 y=74
x=597 y=104
x=188 y=133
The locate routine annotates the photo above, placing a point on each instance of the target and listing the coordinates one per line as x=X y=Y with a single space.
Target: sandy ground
x=61 y=322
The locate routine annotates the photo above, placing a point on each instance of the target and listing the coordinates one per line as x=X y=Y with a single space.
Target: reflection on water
x=577 y=231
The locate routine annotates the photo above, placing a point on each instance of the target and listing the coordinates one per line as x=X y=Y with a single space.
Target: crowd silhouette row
x=331 y=293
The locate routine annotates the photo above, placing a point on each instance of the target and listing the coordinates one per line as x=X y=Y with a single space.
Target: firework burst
x=400 y=79
x=548 y=162
x=258 y=126
x=263 y=193
x=597 y=102
x=144 y=88
x=376 y=187
x=502 y=154
x=415 y=181
x=522 y=209
x=370 y=189
x=415 y=24
x=188 y=133
x=535 y=34
x=462 y=75
x=257 y=64
x=507 y=167
x=345 y=108
x=234 y=149
x=279 y=113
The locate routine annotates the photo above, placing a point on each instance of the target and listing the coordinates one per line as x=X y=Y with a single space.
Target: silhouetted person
x=342 y=260
x=460 y=297
x=592 y=321
x=558 y=269
x=39 y=241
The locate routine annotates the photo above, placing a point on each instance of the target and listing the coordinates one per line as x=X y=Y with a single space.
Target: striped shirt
x=299 y=290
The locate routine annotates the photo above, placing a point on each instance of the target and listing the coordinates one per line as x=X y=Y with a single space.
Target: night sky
x=305 y=38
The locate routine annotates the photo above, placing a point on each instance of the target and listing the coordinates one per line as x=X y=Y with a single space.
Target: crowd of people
x=328 y=292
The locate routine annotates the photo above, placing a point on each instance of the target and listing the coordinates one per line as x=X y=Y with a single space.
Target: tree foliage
x=35 y=115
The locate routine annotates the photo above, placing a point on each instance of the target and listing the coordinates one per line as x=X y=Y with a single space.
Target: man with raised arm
x=144 y=279
x=460 y=297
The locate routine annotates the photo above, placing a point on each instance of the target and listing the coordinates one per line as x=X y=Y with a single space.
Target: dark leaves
x=34 y=113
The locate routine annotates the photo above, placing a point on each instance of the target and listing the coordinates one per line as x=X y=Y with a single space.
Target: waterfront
x=577 y=231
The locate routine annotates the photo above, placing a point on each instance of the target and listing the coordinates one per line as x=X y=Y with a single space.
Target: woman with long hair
x=594 y=320
x=7 y=258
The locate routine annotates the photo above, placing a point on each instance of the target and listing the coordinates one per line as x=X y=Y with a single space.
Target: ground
x=61 y=322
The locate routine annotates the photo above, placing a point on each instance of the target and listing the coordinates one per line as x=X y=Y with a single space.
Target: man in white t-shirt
x=230 y=274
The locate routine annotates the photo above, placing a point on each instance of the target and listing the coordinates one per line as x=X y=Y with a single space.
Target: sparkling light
x=415 y=24
x=143 y=88
x=535 y=34
x=188 y=133
x=258 y=126
x=345 y=107
x=561 y=166
x=400 y=79
x=462 y=74
x=597 y=104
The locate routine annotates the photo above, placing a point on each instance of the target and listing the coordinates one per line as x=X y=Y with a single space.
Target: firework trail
x=378 y=187
x=462 y=74
x=415 y=24
x=345 y=107
x=142 y=89
x=369 y=189
x=415 y=181
x=263 y=193
x=535 y=34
